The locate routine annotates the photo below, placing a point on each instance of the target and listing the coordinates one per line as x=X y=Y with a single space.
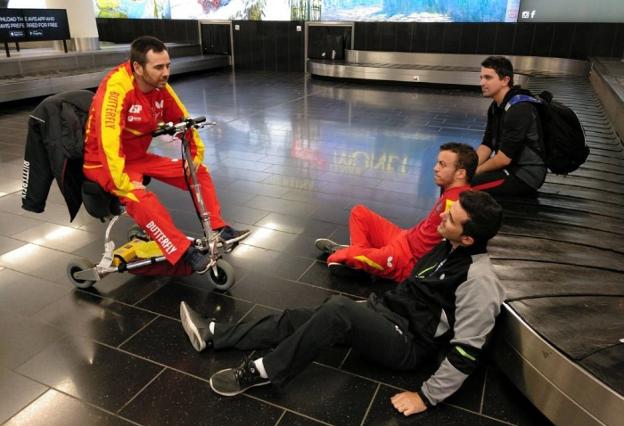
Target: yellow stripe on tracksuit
x=448 y=204
x=134 y=132
x=199 y=145
x=369 y=262
x=119 y=84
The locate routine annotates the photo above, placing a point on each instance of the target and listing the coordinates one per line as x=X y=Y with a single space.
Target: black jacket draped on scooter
x=54 y=150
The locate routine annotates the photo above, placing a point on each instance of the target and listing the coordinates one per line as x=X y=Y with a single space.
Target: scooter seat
x=99 y=203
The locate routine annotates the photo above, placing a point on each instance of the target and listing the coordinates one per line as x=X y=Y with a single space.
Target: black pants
x=501 y=182
x=299 y=335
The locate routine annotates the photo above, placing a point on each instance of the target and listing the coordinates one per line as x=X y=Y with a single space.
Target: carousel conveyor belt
x=560 y=337
x=435 y=68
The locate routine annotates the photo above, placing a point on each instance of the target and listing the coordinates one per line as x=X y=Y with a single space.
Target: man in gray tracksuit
x=444 y=310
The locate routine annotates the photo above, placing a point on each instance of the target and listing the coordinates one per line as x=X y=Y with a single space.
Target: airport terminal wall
x=278 y=46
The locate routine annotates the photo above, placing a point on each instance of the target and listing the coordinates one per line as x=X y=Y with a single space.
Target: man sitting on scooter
x=128 y=105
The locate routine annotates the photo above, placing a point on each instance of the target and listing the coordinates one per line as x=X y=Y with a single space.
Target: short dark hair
x=466 y=157
x=485 y=214
x=140 y=46
x=501 y=65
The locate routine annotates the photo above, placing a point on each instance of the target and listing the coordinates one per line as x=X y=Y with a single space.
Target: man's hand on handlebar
x=181 y=127
x=138 y=185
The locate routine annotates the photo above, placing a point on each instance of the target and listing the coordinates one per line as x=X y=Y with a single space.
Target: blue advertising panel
x=315 y=10
x=421 y=10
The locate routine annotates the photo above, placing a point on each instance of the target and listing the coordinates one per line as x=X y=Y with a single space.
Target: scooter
x=141 y=255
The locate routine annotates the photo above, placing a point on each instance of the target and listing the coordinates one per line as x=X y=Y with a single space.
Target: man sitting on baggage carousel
x=444 y=310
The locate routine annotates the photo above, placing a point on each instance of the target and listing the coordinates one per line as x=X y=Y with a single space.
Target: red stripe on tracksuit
x=488 y=185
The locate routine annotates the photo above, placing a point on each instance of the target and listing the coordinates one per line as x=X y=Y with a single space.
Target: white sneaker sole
x=324 y=244
x=191 y=330
x=328 y=246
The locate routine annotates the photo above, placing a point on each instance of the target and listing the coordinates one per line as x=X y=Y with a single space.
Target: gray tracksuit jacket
x=449 y=304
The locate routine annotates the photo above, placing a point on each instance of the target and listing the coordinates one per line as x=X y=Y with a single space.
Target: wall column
x=82 y=25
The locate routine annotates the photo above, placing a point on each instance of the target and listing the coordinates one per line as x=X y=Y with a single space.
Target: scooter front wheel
x=224 y=279
x=79 y=265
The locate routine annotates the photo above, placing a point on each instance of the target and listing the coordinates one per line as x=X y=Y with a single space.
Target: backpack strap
x=516 y=99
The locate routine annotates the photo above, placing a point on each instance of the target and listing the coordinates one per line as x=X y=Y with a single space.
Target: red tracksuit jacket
x=125 y=118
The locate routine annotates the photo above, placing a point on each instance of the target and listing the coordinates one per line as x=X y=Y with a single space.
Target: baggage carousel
x=435 y=68
x=42 y=72
x=561 y=335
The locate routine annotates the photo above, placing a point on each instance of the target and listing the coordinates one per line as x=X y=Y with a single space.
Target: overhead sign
x=33 y=25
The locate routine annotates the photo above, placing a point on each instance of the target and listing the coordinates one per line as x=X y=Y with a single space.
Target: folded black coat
x=54 y=150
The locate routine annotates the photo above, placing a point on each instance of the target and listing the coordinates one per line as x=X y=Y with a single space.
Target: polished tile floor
x=290 y=156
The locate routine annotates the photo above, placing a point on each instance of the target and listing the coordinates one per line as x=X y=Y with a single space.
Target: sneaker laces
x=247 y=373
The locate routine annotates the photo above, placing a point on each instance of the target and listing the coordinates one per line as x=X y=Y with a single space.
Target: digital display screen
x=33 y=25
x=315 y=10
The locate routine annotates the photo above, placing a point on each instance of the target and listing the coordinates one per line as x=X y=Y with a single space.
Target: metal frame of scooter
x=208 y=243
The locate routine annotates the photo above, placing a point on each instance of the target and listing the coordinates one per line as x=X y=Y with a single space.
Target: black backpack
x=564 y=137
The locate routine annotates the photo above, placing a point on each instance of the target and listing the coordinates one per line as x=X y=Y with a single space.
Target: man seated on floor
x=511 y=153
x=444 y=310
x=383 y=249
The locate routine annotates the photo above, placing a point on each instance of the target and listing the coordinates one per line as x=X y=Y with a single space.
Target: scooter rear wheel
x=225 y=278
x=77 y=265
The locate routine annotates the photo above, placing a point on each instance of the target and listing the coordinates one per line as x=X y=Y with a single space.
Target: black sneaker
x=198 y=261
x=328 y=246
x=232 y=381
x=196 y=327
x=343 y=271
x=230 y=235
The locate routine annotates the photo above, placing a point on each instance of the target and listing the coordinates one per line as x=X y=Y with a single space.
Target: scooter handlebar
x=162 y=130
x=181 y=127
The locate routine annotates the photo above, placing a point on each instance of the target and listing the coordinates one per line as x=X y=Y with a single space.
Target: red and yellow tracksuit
x=118 y=135
x=383 y=249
